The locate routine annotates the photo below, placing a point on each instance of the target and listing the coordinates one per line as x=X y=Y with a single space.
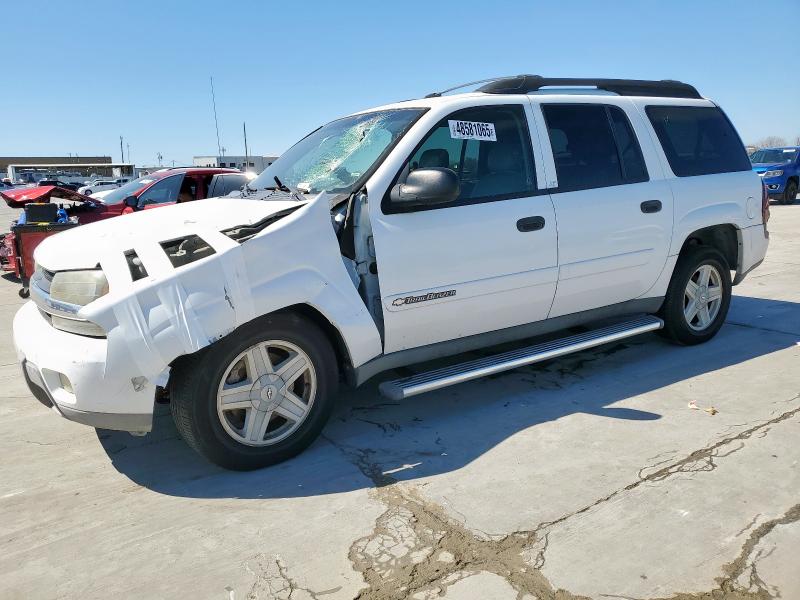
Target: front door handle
x=651 y=206
x=530 y=224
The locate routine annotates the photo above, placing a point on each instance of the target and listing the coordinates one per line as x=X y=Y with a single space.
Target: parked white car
x=394 y=236
x=102 y=185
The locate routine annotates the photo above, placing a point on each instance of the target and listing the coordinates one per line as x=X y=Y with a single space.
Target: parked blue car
x=780 y=170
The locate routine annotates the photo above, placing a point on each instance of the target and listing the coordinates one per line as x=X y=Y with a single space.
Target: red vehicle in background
x=43 y=218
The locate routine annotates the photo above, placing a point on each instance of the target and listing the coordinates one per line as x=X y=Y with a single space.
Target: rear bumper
x=69 y=373
x=755 y=241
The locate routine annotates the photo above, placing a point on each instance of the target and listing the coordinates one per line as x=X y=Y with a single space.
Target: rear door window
x=593 y=146
x=698 y=140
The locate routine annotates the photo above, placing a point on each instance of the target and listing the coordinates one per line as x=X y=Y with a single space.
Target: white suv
x=391 y=237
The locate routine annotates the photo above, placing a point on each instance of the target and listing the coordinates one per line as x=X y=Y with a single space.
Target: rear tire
x=258 y=396
x=790 y=193
x=698 y=296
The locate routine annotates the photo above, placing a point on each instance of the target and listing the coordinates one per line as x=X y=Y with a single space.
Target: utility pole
x=128 y=146
x=216 y=123
x=246 y=161
x=160 y=156
x=122 y=154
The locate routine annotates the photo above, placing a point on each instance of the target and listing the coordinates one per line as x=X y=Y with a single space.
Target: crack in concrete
x=699 y=461
x=417 y=550
x=757 y=589
x=272 y=579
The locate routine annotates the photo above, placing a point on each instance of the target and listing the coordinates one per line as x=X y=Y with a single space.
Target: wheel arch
x=727 y=238
x=343 y=358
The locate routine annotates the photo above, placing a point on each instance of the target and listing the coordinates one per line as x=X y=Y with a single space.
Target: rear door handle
x=530 y=224
x=651 y=206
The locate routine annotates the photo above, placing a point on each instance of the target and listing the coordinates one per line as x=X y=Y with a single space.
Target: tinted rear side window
x=629 y=151
x=593 y=146
x=698 y=140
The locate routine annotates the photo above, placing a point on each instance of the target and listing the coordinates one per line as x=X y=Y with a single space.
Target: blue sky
x=80 y=74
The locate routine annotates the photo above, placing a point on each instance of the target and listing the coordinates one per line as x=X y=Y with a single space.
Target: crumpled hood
x=83 y=247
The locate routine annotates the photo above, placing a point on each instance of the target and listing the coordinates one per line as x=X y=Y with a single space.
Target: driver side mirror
x=426 y=187
x=132 y=202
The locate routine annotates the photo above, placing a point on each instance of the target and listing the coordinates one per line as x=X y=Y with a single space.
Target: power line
x=216 y=123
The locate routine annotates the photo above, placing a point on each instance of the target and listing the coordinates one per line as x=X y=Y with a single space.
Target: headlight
x=62 y=294
x=775 y=173
x=78 y=287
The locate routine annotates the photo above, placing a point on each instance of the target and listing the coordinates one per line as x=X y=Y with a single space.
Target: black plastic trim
x=525 y=84
x=530 y=224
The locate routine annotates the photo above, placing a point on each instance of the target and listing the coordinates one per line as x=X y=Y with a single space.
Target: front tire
x=698 y=297
x=790 y=192
x=258 y=396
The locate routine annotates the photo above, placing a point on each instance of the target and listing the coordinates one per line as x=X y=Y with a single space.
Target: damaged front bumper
x=67 y=372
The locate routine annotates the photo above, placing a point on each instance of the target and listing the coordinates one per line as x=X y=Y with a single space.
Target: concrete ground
x=585 y=477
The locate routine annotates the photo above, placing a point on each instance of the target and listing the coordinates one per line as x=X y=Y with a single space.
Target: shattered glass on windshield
x=335 y=156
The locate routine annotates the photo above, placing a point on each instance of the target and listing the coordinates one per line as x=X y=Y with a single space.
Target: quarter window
x=593 y=146
x=489 y=148
x=698 y=140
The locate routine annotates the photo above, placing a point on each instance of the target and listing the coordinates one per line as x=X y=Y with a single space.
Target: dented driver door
x=484 y=262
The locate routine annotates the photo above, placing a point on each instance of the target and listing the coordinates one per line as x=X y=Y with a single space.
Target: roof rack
x=463 y=85
x=524 y=84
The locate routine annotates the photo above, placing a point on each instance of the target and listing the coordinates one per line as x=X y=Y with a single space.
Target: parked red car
x=161 y=188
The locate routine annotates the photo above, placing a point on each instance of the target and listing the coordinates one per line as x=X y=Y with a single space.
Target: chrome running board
x=406 y=387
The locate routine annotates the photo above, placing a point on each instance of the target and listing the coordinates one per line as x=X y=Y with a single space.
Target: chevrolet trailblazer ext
x=393 y=236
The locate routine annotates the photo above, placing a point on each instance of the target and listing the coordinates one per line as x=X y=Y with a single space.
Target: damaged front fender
x=178 y=310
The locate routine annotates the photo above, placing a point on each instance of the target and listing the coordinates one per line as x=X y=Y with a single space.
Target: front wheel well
x=724 y=238
x=315 y=316
x=329 y=329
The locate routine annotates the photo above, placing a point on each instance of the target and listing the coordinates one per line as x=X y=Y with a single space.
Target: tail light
x=764 y=205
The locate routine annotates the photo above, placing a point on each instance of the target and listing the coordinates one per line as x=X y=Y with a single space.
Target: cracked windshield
x=335 y=156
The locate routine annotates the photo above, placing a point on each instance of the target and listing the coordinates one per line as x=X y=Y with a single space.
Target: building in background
x=30 y=169
x=255 y=164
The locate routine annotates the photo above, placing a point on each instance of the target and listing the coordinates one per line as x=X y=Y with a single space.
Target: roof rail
x=463 y=85
x=524 y=84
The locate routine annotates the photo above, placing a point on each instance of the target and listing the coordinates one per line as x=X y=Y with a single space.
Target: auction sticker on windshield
x=472 y=130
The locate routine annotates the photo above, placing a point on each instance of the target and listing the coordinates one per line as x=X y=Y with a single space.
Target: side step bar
x=406 y=387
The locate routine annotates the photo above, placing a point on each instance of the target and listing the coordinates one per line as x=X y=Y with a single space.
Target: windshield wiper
x=289 y=190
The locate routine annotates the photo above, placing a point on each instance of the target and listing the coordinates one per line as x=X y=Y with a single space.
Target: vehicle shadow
x=445 y=430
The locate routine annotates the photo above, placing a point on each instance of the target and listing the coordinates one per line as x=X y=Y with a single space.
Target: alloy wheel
x=266 y=393
x=702 y=297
